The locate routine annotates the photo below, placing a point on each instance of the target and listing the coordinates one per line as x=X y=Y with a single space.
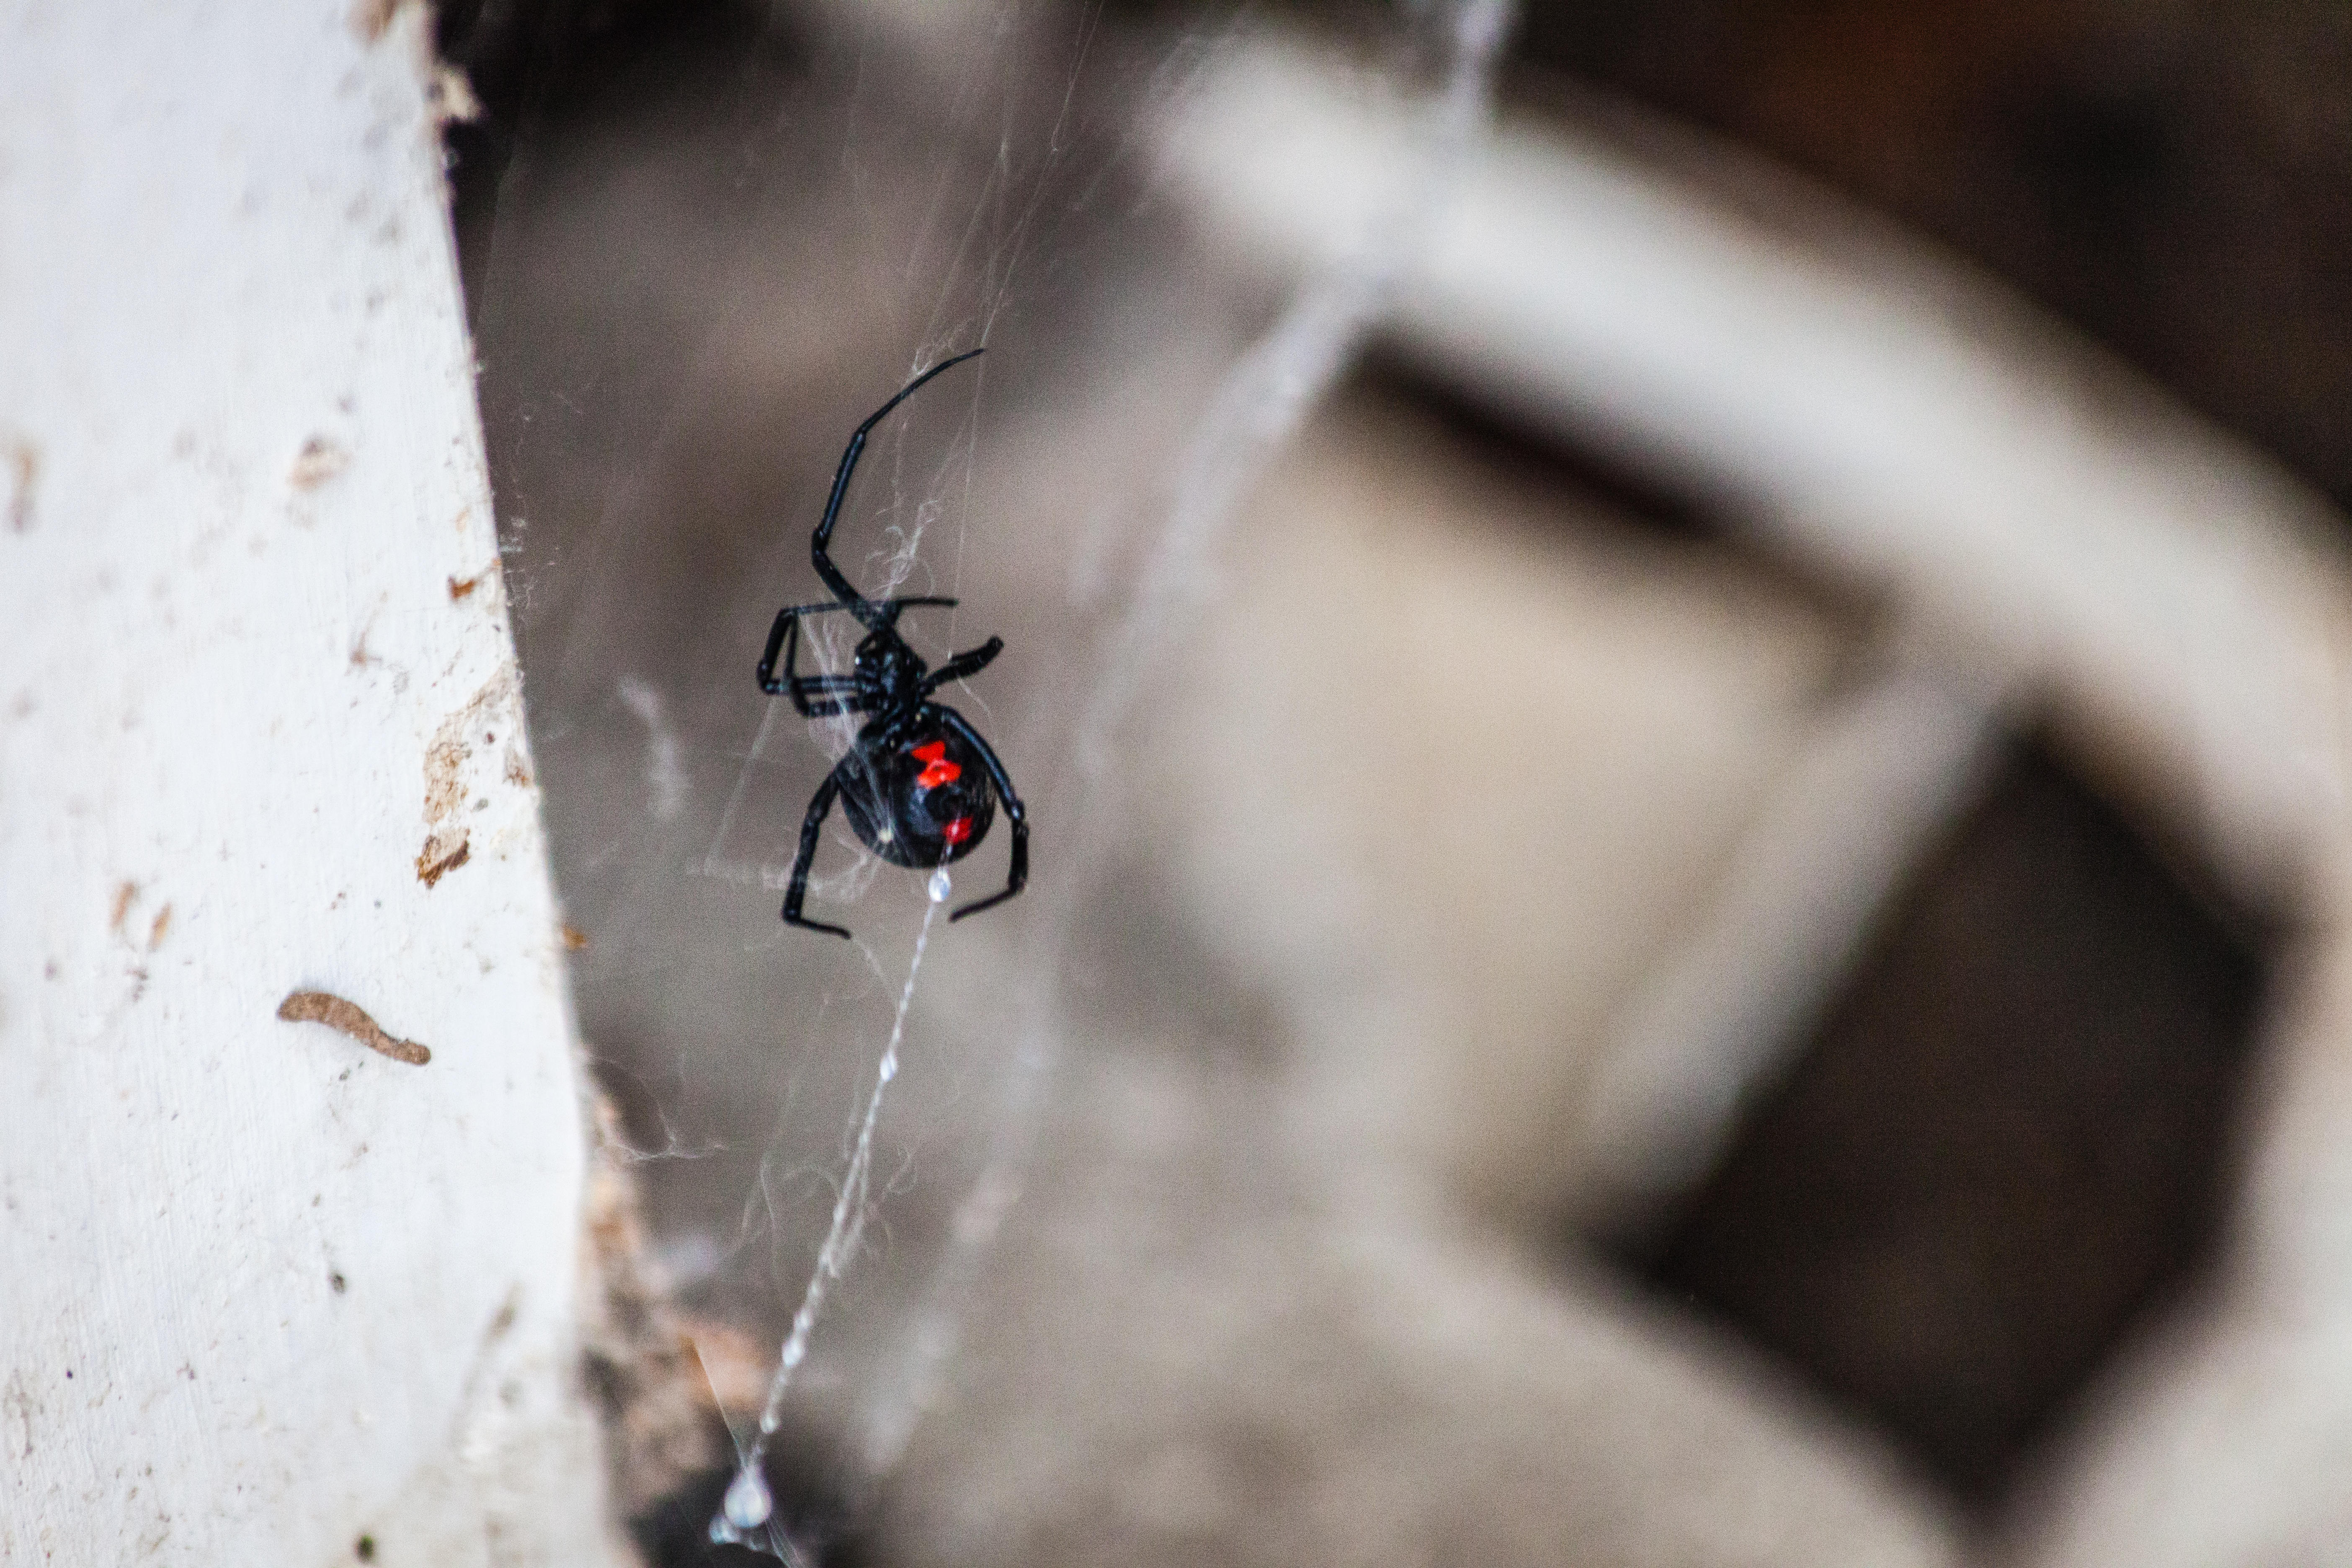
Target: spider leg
x=787 y=630
x=872 y=614
x=788 y=625
x=831 y=608
x=839 y=693
x=834 y=707
x=963 y=666
x=1014 y=812
x=811 y=826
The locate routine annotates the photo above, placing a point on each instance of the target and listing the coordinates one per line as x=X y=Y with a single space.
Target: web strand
x=1260 y=404
x=747 y=1517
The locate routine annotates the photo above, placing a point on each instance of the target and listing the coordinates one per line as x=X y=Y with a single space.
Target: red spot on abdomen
x=937 y=769
x=956 y=831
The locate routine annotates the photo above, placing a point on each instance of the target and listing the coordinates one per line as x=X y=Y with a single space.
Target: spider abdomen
x=920 y=795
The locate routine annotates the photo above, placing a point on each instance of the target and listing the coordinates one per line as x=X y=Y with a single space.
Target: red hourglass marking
x=937 y=769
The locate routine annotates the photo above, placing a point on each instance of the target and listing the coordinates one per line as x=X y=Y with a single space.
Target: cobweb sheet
x=714 y=244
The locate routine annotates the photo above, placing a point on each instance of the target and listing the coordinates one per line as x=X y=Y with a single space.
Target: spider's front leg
x=812 y=826
x=871 y=615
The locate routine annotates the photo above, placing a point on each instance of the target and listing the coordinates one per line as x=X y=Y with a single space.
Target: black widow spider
x=919 y=783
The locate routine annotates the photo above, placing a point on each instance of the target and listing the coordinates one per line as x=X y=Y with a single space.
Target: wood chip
x=325 y=1007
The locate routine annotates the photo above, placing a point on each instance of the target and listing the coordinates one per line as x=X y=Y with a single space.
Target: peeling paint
x=318 y=460
x=442 y=853
x=371 y=19
x=449 y=96
x=24 y=468
x=445 y=782
x=459 y=740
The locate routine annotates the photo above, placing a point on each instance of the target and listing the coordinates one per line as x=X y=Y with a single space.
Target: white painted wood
x=264 y=1291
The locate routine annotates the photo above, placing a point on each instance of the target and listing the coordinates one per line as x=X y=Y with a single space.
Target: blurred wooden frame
x=2045 y=528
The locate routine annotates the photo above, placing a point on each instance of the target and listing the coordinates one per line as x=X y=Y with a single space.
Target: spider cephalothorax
x=884 y=663
x=919 y=784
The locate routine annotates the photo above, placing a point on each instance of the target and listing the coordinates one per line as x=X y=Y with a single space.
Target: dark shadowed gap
x=1514 y=446
x=2006 y=1143
x=545 y=72
x=1641 y=497
x=820 y=1514
x=2174 y=176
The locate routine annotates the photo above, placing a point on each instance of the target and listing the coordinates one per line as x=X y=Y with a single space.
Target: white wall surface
x=264 y=1290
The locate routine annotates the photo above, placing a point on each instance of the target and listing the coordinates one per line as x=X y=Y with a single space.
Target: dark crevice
x=2175 y=177
x=1637 y=493
x=818 y=1512
x=2007 y=1143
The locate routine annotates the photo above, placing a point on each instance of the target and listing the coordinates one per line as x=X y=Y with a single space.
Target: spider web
x=715 y=245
